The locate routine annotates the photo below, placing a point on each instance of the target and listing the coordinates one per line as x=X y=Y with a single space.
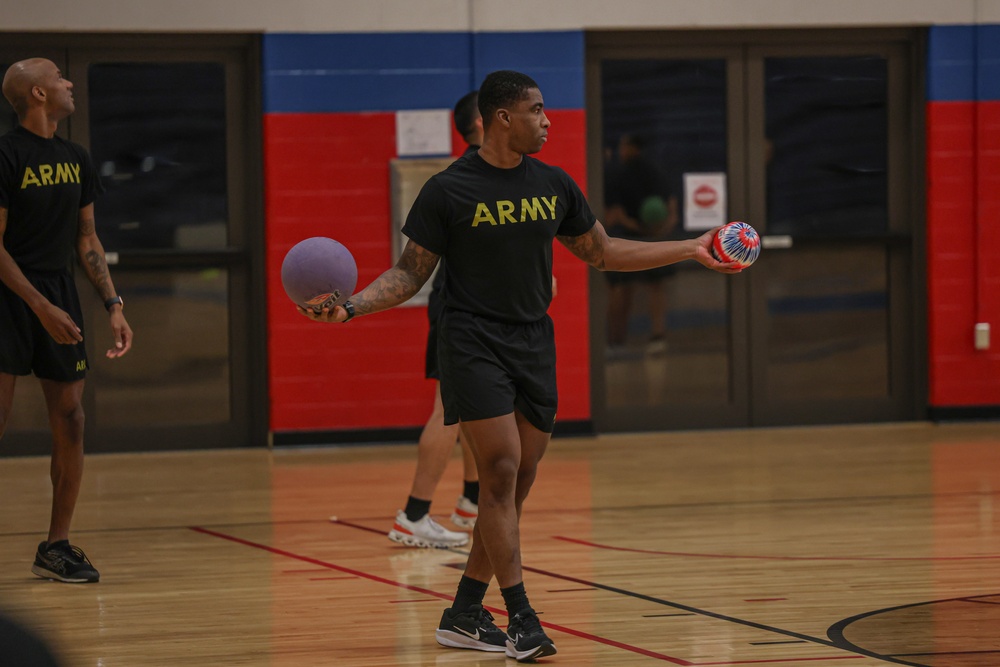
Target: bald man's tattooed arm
x=91 y=254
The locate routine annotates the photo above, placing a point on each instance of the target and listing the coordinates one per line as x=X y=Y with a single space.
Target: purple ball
x=319 y=273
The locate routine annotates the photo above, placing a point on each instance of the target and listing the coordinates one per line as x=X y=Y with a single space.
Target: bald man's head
x=37 y=80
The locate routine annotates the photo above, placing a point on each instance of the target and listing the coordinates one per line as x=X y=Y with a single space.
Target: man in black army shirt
x=492 y=215
x=47 y=192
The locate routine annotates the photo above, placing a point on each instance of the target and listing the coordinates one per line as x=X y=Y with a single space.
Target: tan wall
x=478 y=15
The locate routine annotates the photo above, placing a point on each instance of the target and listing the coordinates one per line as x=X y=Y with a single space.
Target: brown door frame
x=745 y=150
x=240 y=54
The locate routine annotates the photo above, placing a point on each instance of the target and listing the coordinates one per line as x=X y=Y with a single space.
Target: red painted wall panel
x=328 y=175
x=963 y=219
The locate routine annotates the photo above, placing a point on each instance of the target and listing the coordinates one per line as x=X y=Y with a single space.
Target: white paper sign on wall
x=424 y=132
x=704 y=200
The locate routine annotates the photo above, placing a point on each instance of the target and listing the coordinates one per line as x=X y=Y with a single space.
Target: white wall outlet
x=983 y=336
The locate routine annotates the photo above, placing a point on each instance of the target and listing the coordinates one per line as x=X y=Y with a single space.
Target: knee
x=70 y=416
x=525 y=479
x=499 y=479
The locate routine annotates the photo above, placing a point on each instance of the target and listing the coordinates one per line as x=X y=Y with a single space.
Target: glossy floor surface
x=854 y=545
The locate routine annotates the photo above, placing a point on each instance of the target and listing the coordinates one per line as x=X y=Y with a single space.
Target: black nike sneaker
x=472 y=628
x=526 y=640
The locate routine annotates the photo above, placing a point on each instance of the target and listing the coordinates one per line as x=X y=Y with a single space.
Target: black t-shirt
x=494 y=227
x=43 y=185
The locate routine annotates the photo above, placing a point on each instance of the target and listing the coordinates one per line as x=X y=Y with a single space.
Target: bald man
x=47 y=190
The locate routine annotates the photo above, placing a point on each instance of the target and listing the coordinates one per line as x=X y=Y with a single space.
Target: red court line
x=501 y=612
x=684 y=554
x=449 y=598
x=772 y=660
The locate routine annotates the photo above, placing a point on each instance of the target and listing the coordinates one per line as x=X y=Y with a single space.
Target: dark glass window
x=158 y=140
x=827 y=136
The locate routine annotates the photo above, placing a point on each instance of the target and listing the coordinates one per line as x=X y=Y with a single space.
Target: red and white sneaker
x=425 y=533
x=465 y=514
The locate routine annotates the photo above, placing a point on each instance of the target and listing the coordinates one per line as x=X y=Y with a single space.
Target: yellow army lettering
x=81 y=365
x=64 y=172
x=506 y=211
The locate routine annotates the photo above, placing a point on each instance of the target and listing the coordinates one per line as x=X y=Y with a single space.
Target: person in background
x=414 y=525
x=639 y=205
x=47 y=190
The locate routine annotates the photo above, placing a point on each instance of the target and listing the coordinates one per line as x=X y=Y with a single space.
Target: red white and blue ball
x=737 y=242
x=319 y=273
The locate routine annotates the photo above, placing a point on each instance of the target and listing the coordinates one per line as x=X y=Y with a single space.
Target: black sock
x=470 y=592
x=471 y=491
x=515 y=598
x=416 y=508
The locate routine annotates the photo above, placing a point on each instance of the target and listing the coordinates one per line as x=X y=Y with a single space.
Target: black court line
x=442 y=596
x=617 y=509
x=686 y=554
x=682 y=607
x=790 y=641
x=714 y=615
x=836 y=631
x=560 y=628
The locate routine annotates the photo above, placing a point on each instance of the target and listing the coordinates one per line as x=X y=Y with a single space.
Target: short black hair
x=502 y=89
x=466 y=112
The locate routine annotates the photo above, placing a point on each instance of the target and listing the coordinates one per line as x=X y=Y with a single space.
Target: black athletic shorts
x=434 y=308
x=489 y=368
x=26 y=347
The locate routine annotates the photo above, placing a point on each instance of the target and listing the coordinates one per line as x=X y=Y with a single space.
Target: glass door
x=167 y=132
x=172 y=125
x=832 y=322
x=667 y=353
x=810 y=139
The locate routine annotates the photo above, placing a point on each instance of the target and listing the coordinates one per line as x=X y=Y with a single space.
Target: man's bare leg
x=64 y=401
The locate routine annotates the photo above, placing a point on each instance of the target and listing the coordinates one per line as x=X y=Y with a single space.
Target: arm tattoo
x=94 y=263
x=86 y=227
x=399 y=283
x=97 y=269
x=589 y=246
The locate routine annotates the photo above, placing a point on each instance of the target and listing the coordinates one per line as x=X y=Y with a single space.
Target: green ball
x=653 y=211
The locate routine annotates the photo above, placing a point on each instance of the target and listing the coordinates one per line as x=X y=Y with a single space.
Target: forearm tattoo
x=97 y=267
x=95 y=264
x=399 y=283
x=589 y=247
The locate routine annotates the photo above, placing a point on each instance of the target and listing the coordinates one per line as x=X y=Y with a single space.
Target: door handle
x=776 y=242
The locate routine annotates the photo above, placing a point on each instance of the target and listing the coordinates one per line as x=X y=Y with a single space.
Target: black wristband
x=115 y=300
x=349 y=307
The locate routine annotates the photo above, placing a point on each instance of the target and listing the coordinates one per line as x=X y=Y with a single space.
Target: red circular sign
x=705 y=196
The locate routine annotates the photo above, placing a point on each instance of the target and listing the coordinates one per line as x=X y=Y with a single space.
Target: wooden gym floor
x=854 y=546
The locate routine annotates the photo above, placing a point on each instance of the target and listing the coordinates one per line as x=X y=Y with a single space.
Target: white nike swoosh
x=469 y=634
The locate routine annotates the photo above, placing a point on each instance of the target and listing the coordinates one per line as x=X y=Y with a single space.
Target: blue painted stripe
x=951 y=54
x=365 y=72
x=355 y=72
x=554 y=59
x=988 y=52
